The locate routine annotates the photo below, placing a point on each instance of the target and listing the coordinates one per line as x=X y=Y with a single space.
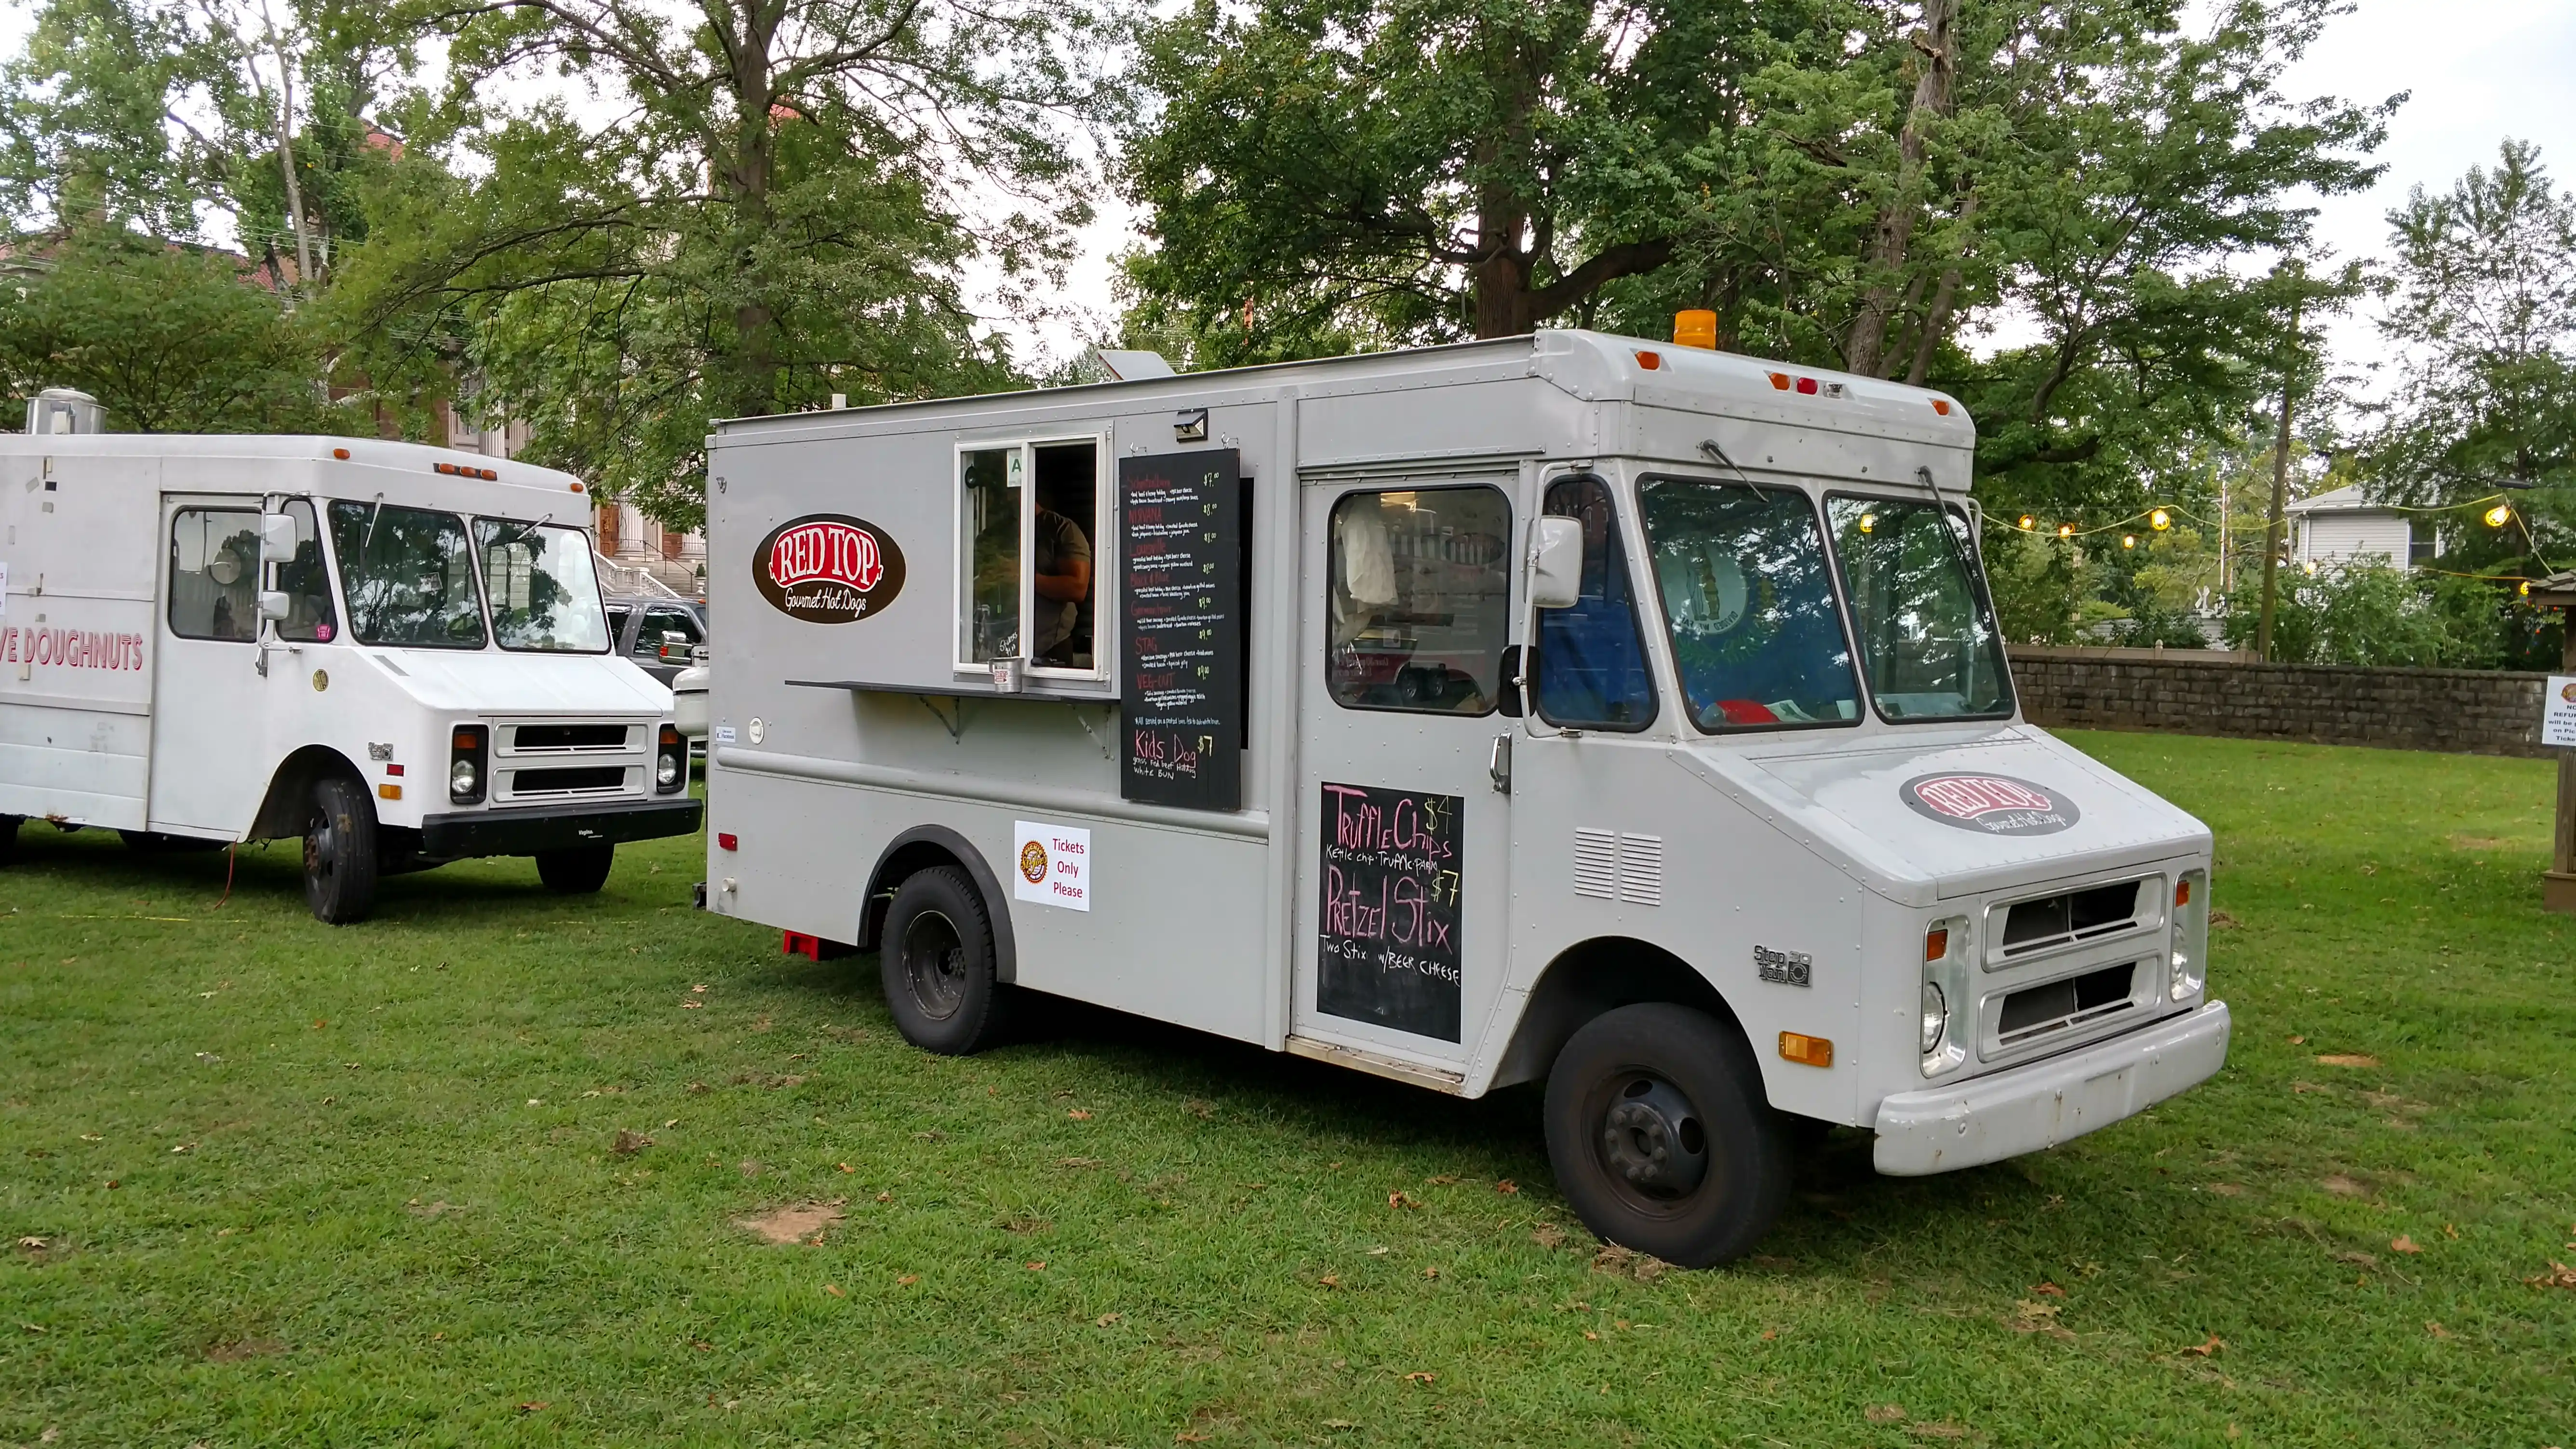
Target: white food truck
x=392 y=652
x=1569 y=706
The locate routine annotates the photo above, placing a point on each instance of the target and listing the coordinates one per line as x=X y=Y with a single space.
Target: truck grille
x=2035 y=1011
x=524 y=783
x=2069 y=917
x=549 y=737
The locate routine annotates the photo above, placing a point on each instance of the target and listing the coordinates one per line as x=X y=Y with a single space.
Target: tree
x=94 y=126
x=171 y=339
x=782 y=212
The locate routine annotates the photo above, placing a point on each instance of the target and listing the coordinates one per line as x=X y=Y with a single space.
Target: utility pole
x=2272 y=533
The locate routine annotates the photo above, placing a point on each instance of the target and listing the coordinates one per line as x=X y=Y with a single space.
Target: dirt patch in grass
x=802 y=1223
x=239 y=1349
x=2476 y=842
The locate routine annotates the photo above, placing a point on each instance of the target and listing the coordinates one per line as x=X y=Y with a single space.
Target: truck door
x=210 y=761
x=1403 y=875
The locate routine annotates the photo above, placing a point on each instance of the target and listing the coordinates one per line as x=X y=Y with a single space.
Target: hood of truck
x=481 y=683
x=1920 y=818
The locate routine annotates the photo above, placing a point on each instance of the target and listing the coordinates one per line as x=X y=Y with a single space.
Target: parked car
x=657 y=633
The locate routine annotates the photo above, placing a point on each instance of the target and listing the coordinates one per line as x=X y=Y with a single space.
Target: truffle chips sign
x=827 y=568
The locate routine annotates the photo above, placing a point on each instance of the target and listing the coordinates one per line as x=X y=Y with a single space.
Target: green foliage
x=2373 y=614
x=86 y=136
x=171 y=339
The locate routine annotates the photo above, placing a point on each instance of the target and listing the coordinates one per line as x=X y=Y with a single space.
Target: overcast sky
x=2477 y=70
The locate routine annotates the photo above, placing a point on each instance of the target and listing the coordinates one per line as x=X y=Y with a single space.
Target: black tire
x=578 y=871
x=1661 y=1137
x=340 y=852
x=9 y=837
x=936 y=960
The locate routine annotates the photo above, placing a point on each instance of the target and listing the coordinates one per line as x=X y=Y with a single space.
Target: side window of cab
x=1591 y=655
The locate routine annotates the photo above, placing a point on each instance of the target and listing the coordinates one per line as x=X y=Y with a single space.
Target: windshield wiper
x=524 y=534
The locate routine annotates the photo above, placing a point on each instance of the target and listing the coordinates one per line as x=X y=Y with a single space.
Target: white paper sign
x=2558 y=711
x=724 y=734
x=1052 y=864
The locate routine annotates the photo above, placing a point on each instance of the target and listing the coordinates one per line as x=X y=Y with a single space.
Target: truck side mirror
x=276 y=538
x=272 y=603
x=1556 y=562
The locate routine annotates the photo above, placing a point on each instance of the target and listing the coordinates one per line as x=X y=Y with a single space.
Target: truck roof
x=1597 y=367
x=323 y=452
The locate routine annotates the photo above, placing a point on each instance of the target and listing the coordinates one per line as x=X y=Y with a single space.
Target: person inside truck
x=1062 y=632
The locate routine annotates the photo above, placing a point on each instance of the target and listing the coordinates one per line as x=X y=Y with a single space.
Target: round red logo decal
x=828 y=569
x=1033 y=863
x=1993 y=804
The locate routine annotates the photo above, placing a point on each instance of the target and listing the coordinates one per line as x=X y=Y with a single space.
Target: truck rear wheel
x=578 y=871
x=1661 y=1138
x=937 y=964
x=340 y=852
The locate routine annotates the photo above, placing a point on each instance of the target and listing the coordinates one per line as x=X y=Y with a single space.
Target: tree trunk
x=749 y=387
x=2280 y=489
x=1936 y=323
x=1502 y=269
x=1864 y=351
x=286 y=163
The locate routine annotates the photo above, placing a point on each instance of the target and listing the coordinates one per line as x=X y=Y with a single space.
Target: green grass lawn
x=270 y=1182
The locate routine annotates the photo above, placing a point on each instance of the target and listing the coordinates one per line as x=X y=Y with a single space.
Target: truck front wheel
x=578 y=871
x=1661 y=1138
x=340 y=852
x=937 y=964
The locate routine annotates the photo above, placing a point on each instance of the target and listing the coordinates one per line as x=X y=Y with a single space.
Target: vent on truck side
x=1612 y=865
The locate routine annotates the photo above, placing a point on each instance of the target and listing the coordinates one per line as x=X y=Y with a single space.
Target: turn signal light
x=2182 y=892
x=727 y=840
x=1650 y=360
x=1941 y=405
x=1815 y=1051
x=1936 y=943
x=389 y=792
x=1780 y=381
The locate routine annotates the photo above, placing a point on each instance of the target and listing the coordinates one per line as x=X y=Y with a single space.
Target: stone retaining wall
x=2189 y=691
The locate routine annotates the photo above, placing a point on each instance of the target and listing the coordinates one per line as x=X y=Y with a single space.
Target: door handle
x=1498 y=765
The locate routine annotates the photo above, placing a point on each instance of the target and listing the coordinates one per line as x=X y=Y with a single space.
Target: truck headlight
x=667 y=773
x=1945 y=988
x=2190 y=966
x=469 y=749
x=671 y=762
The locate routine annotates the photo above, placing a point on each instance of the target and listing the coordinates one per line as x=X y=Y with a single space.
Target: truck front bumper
x=527 y=831
x=1990 y=1118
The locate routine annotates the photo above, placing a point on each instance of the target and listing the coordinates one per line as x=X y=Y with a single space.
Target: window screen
x=1420 y=604
x=1591 y=660
x=214 y=574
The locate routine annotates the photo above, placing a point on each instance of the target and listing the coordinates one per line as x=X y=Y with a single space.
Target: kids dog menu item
x=1180 y=621
x=1388 y=947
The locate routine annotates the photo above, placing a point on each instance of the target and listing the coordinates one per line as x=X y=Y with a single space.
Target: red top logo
x=828 y=569
x=1993 y=804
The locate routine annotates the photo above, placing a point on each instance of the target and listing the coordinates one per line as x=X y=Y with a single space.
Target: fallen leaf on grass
x=791 y=1224
x=183 y=1147
x=532 y=1406
x=1077 y=1162
x=2558 y=1276
x=1078 y=1115
x=2298 y=1041
x=1548 y=1235
x=835 y=1290
x=1588 y=1333
x=2342 y=1186
x=2050 y=1289
x=2435 y=1329
x=1189 y=1436
x=2205 y=1350
x=2403 y=1244
x=1329 y=1280
x=2358 y=1258
x=699 y=989
x=1401 y=1200
x=627 y=1144
x=885 y=1197
x=1507 y=1187
x=2227 y=1189
x=907 y=1280
x=1419 y=1377
x=2221 y=921
x=701 y=1345
x=1430 y=1272
x=845 y=1167
x=1106 y=1319
x=1037 y=1267
x=1884 y=1413
x=2346 y=1059
x=691 y=1005
x=92 y=1137
x=1199 y=1109
x=245 y=1348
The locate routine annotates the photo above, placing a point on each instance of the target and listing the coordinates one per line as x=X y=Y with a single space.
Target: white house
x=2340 y=526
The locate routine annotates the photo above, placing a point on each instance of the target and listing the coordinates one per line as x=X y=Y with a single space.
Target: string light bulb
x=2028 y=523
x=2160 y=520
x=2311 y=567
x=2500 y=515
x=2525 y=590
x=1868 y=522
x=2128 y=540
x=2066 y=530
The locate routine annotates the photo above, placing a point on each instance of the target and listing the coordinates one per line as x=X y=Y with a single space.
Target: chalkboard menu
x=1388 y=952
x=1180 y=621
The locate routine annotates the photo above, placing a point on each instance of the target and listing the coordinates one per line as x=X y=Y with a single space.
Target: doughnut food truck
x=1622 y=714
x=391 y=652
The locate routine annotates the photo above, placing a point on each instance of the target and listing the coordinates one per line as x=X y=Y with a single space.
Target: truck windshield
x=1926 y=634
x=1757 y=638
x=543 y=592
x=408 y=575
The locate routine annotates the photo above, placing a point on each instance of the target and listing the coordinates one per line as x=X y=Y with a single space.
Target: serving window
x=1419 y=609
x=1030 y=518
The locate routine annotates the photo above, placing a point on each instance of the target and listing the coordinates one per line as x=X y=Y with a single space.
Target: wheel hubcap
x=1652 y=1140
x=934 y=962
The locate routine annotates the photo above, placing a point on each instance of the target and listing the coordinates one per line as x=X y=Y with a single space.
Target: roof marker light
x=1941 y=405
x=1780 y=380
x=340 y=453
x=1650 y=360
x=1807 y=385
